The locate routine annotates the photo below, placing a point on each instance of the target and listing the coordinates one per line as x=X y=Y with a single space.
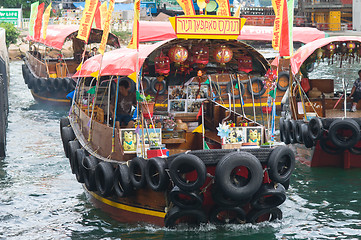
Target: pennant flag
x=198 y=129
x=187 y=6
x=134 y=42
x=46 y=17
x=87 y=19
x=133 y=76
x=206 y=147
x=97 y=18
x=223 y=8
x=79 y=67
x=138 y=96
x=199 y=112
x=236 y=14
x=91 y=91
x=207 y=81
x=33 y=15
x=106 y=30
x=95 y=74
x=39 y=21
x=272 y=93
x=286 y=39
x=103 y=13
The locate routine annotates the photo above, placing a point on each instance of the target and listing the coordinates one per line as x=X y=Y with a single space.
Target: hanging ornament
x=178 y=54
x=245 y=63
x=270 y=82
x=185 y=67
x=223 y=55
x=161 y=64
x=200 y=56
x=351 y=46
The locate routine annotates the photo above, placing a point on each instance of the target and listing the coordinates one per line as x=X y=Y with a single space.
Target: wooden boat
x=48 y=73
x=322 y=129
x=170 y=177
x=4 y=89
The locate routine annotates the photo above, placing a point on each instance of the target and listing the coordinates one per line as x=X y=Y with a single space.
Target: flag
x=187 y=6
x=91 y=91
x=95 y=74
x=103 y=13
x=133 y=76
x=79 y=67
x=272 y=93
x=276 y=4
x=46 y=17
x=33 y=14
x=39 y=21
x=286 y=39
x=198 y=129
x=223 y=8
x=134 y=42
x=206 y=147
x=199 y=112
x=97 y=18
x=87 y=19
x=236 y=14
x=106 y=30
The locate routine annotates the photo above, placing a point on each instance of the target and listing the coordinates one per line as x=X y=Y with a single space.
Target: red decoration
x=201 y=55
x=351 y=45
x=161 y=64
x=223 y=55
x=178 y=54
x=331 y=47
x=245 y=64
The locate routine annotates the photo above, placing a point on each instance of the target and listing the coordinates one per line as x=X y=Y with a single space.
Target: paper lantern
x=245 y=63
x=223 y=55
x=178 y=54
x=200 y=55
x=162 y=64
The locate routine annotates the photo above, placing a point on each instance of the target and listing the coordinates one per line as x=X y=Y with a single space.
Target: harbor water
x=41 y=199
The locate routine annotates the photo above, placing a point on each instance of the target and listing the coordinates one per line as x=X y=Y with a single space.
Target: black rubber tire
x=64 y=84
x=40 y=84
x=286 y=133
x=281 y=75
x=72 y=85
x=49 y=85
x=155 y=83
x=56 y=83
x=66 y=136
x=261 y=84
x=281 y=164
x=254 y=214
x=224 y=201
x=89 y=165
x=292 y=131
x=31 y=81
x=72 y=147
x=235 y=186
x=64 y=122
x=185 y=163
x=282 y=130
x=315 y=128
x=328 y=146
x=122 y=184
x=137 y=172
x=269 y=196
x=25 y=72
x=234 y=83
x=78 y=166
x=146 y=83
x=104 y=178
x=156 y=175
x=298 y=132
x=286 y=184
x=184 y=199
x=175 y=214
x=227 y=215
x=355 y=150
x=340 y=141
x=307 y=141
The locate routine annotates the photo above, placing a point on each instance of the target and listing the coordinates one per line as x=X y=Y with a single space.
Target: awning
x=117 y=6
x=306 y=50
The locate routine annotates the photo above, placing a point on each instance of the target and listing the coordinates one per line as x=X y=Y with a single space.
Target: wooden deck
x=338 y=113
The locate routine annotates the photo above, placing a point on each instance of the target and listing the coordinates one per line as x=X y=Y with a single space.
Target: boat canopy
x=158 y=31
x=122 y=62
x=57 y=34
x=306 y=50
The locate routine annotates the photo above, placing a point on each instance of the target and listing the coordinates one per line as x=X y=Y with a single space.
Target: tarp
x=158 y=31
x=305 y=51
x=117 y=6
x=56 y=35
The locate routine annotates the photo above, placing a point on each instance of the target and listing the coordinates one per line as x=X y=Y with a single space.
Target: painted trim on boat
x=50 y=99
x=226 y=105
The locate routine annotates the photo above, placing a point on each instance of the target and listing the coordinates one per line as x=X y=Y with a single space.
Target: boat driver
x=356 y=92
x=124 y=107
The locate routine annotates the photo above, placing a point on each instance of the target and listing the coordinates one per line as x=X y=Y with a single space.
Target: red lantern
x=223 y=55
x=201 y=55
x=245 y=64
x=178 y=54
x=331 y=47
x=161 y=64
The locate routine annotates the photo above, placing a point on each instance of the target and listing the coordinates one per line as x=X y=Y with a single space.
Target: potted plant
x=147 y=105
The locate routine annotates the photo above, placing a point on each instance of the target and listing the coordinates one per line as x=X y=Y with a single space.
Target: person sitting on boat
x=124 y=107
x=356 y=92
x=94 y=51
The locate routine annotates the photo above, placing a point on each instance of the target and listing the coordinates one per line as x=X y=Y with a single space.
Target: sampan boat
x=167 y=172
x=47 y=72
x=320 y=126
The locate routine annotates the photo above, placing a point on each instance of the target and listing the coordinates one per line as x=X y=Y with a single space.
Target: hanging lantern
x=331 y=47
x=161 y=64
x=223 y=55
x=245 y=63
x=185 y=67
x=178 y=54
x=200 y=55
x=351 y=46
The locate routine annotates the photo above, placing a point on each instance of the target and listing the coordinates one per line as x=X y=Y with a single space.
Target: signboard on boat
x=11 y=15
x=207 y=27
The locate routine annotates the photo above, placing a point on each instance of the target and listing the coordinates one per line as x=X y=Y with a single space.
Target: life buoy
x=328 y=146
x=67 y=135
x=298 y=132
x=155 y=85
x=307 y=141
x=282 y=75
x=137 y=172
x=257 y=215
x=104 y=178
x=315 y=128
x=122 y=184
x=282 y=129
x=89 y=165
x=189 y=216
x=260 y=85
x=281 y=164
x=344 y=133
x=269 y=196
x=292 y=131
x=156 y=175
x=72 y=147
x=184 y=199
x=185 y=163
x=233 y=84
x=228 y=215
x=78 y=165
x=239 y=175
x=286 y=133
x=146 y=83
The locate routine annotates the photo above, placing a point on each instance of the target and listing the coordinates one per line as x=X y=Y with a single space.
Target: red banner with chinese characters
x=277 y=24
x=87 y=19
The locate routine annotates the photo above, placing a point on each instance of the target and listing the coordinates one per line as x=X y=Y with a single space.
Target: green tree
x=11 y=32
